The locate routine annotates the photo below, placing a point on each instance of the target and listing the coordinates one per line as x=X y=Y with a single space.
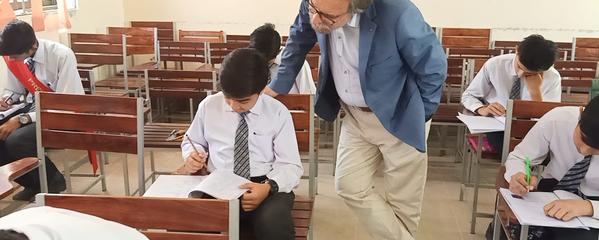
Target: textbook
x=529 y=209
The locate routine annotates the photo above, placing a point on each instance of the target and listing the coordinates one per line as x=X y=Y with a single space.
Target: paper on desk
x=11 y=110
x=223 y=184
x=480 y=124
x=529 y=210
x=177 y=186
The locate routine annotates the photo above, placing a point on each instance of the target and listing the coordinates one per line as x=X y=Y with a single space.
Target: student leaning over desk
x=570 y=137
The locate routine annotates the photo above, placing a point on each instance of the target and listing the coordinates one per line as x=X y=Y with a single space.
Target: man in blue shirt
x=384 y=65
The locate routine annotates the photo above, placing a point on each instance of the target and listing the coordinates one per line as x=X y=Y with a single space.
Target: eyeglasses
x=326 y=18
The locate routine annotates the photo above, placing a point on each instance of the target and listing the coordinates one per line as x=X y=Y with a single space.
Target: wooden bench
x=182 y=52
x=166 y=30
x=140 y=41
x=465 y=37
x=232 y=38
x=202 y=36
x=158 y=218
x=577 y=78
x=564 y=48
x=586 y=49
x=473 y=53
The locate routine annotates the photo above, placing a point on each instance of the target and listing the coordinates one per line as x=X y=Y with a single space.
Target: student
x=267 y=41
x=569 y=136
x=526 y=75
x=55 y=66
x=251 y=134
x=48 y=223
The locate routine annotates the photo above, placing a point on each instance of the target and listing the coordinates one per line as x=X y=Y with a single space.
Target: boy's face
x=582 y=147
x=240 y=105
x=522 y=71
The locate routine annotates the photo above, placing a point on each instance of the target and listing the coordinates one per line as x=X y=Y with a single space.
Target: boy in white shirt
x=569 y=136
x=252 y=135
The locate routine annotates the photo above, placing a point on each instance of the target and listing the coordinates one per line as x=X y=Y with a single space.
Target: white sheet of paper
x=11 y=110
x=177 y=186
x=587 y=221
x=480 y=124
x=529 y=210
x=223 y=184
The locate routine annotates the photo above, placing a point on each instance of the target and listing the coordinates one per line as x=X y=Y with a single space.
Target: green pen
x=527 y=162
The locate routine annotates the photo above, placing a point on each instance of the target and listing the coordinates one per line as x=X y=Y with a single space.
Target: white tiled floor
x=443 y=215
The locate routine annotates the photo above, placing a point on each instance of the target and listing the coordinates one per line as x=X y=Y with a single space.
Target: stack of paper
x=219 y=184
x=480 y=124
x=11 y=110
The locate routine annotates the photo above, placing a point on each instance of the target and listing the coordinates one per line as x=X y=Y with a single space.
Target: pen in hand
x=204 y=170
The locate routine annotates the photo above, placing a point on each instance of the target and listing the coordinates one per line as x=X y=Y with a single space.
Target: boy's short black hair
x=12 y=235
x=266 y=40
x=17 y=37
x=537 y=53
x=244 y=72
x=589 y=123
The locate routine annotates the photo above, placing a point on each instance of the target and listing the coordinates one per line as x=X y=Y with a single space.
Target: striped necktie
x=242 y=154
x=30 y=64
x=571 y=181
x=515 y=92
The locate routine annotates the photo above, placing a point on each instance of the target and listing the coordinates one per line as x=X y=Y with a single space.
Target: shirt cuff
x=33 y=117
x=475 y=106
x=595 y=205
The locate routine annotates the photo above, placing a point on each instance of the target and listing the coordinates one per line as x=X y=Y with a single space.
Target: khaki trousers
x=364 y=144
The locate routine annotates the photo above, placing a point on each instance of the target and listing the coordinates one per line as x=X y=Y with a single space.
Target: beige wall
x=91 y=16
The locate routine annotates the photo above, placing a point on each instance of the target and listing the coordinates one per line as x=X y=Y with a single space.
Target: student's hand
x=256 y=193
x=493 y=109
x=8 y=127
x=533 y=84
x=518 y=185
x=3 y=105
x=195 y=162
x=565 y=210
x=267 y=90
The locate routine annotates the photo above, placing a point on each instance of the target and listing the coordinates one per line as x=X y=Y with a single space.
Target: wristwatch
x=24 y=119
x=274 y=187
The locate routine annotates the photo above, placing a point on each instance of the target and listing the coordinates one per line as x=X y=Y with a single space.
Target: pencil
x=202 y=171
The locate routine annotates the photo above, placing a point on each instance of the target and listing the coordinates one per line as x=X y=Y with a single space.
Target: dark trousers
x=496 y=141
x=272 y=219
x=21 y=144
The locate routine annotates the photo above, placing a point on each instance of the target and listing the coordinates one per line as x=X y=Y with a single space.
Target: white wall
x=91 y=16
x=511 y=19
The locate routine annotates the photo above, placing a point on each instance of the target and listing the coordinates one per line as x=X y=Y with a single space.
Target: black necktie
x=571 y=181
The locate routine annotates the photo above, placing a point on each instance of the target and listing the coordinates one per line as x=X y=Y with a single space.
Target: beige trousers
x=364 y=144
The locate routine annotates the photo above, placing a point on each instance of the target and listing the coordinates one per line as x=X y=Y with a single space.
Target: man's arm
x=534 y=146
x=553 y=91
x=287 y=167
x=195 y=133
x=478 y=89
x=301 y=39
x=420 y=47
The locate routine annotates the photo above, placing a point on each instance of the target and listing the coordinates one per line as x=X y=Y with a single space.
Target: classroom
x=299 y=119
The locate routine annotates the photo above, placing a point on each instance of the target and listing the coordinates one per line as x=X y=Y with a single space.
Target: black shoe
x=27 y=195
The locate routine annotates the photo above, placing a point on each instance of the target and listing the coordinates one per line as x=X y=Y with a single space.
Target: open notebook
x=529 y=209
x=219 y=184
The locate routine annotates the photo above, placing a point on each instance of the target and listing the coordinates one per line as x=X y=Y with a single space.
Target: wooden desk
x=11 y=171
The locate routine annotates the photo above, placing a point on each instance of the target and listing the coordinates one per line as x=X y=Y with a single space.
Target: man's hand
x=195 y=162
x=4 y=104
x=565 y=210
x=518 y=185
x=8 y=127
x=256 y=193
x=493 y=109
x=533 y=83
x=270 y=92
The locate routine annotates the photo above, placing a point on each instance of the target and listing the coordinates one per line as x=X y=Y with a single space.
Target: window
x=23 y=7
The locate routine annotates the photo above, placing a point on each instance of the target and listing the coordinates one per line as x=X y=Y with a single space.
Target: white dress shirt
x=272 y=143
x=344 y=58
x=494 y=81
x=56 y=66
x=48 y=223
x=552 y=136
x=304 y=83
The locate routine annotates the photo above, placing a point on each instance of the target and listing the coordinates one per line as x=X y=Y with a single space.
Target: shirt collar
x=40 y=54
x=354 y=21
x=257 y=109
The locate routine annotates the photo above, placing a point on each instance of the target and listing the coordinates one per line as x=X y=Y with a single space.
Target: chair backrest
x=183 y=51
x=314 y=62
x=166 y=30
x=218 y=51
x=88 y=122
x=231 y=38
x=457 y=72
x=302 y=112
x=564 y=48
x=577 y=70
x=202 y=36
x=87 y=80
x=139 y=40
x=586 y=49
x=465 y=37
x=521 y=117
x=100 y=49
x=158 y=218
x=473 y=53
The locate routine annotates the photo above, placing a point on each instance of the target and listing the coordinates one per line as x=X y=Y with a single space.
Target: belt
x=365 y=109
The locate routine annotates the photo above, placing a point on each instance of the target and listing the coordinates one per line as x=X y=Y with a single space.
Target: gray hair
x=357 y=6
